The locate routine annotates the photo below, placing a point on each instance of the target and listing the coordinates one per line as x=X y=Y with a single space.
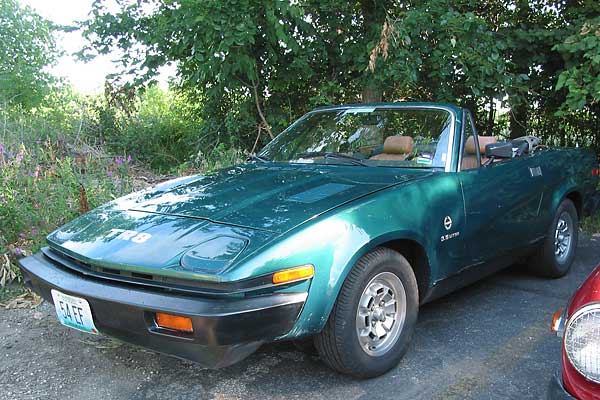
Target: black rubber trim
x=225 y=330
x=556 y=390
x=159 y=281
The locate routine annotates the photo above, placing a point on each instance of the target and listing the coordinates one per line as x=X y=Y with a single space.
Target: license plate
x=73 y=312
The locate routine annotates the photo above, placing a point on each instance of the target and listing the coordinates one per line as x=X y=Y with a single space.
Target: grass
x=591 y=224
x=11 y=291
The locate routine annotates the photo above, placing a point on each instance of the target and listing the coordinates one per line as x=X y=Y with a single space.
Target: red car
x=579 y=326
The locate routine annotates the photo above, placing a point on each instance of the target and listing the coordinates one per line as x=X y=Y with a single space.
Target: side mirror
x=499 y=150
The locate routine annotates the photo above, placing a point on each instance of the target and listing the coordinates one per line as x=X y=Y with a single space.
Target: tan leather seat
x=469 y=160
x=395 y=148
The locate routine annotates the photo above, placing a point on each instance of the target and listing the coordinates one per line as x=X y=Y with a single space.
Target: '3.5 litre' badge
x=448 y=226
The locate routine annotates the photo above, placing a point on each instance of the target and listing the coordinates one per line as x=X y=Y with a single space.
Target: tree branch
x=258 y=108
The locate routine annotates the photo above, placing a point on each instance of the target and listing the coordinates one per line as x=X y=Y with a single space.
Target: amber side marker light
x=175 y=322
x=556 y=321
x=294 y=274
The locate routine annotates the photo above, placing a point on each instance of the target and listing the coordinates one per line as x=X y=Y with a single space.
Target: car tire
x=554 y=257
x=374 y=316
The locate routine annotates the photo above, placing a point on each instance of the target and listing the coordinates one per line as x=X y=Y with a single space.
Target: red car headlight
x=582 y=341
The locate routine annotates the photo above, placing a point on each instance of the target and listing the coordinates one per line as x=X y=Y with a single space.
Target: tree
x=253 y=66
x=581 y=76
x=443 y=50
x=256 y=65
x=26 y=49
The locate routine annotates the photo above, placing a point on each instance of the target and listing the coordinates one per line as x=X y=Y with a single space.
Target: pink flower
x=36 y=205
x=34 y=231
x=129 y=159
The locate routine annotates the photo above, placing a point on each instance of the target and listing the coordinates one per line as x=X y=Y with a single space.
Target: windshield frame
x=390 y=106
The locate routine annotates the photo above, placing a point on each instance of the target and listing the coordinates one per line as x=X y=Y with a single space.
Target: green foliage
x=581 y=76
x=161 y=129
x=444 y=53
x=212 y=159
x=26 y=48
x=255 y=65
x=43 y=187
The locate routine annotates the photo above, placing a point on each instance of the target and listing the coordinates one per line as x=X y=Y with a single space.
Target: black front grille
x=156 y=281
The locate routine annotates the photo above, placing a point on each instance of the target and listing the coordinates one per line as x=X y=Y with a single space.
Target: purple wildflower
x=109 y=173
x=129 y=159
x=22 y=235
x=34 y=231
x=1 y=148
x=119 y=161
x=18 y=251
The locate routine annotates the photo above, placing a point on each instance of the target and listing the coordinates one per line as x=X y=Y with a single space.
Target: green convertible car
x=331 y=236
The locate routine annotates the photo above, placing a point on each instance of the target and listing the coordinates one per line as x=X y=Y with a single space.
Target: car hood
x=200 y=225
x=274 y=197
x=147 y=243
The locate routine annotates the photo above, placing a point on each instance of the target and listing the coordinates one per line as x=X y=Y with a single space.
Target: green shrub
x=160 y=130
x=43 y=187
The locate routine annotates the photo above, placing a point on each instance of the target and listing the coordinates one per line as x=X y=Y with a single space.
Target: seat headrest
x=483 y=141
x=398 y=145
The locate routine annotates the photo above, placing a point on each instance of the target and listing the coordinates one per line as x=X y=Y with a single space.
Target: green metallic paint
x=285 y=222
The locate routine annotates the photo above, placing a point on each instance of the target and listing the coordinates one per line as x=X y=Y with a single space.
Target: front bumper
x=556 y=390
x=225 y=330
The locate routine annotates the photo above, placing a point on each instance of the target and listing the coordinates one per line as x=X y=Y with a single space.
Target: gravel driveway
x=487 y=341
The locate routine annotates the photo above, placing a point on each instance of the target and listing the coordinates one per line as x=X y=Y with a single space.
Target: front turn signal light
x=555 y=326
x=175 y=322
x=294 y=274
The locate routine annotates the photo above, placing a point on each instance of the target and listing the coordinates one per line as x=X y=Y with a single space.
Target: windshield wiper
x=254 y=157
x=333 y=154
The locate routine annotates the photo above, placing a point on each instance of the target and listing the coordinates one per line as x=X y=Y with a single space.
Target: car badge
x=447 y=222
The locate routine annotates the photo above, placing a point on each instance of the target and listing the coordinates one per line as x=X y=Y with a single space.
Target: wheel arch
x=406 y=243
x=417 y=257
x=577 y=199
x=570 y=192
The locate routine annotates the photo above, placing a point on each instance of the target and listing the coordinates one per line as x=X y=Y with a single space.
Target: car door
x=501 y=201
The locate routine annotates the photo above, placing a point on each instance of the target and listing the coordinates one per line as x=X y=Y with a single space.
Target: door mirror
x=499 y=150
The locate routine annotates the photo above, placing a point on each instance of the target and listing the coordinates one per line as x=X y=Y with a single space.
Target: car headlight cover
x=582 y=341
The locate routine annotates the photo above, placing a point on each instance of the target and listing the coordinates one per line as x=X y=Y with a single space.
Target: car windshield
x=370 y=136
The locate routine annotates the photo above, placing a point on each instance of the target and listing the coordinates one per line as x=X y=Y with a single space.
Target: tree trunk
x=374 y=14
x=521 y=58
x=518 y=119
x=491 y=115
x=371 y=94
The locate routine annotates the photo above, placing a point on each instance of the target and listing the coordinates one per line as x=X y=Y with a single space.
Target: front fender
x=342 y=253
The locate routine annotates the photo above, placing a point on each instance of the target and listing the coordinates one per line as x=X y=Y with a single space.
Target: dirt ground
x=487 y=341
